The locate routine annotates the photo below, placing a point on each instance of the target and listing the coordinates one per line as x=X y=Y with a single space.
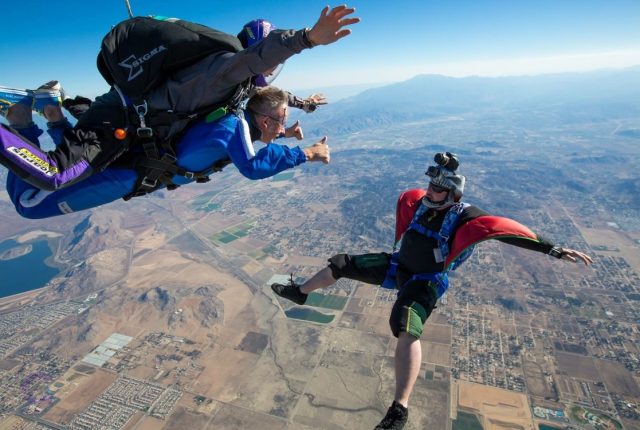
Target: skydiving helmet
x=444 y=175
x=252 y=33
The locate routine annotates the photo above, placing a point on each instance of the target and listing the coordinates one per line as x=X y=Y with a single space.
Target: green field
x=224 y=237
x=209 y=208
x=307 y=314
x=203 y=199
x=594 y=418
x=466 y=421
x=327 y=301
x=233 y=233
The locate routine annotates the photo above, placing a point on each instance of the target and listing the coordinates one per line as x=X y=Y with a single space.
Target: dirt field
x=365 y=323
x=301 y=260
x=628 y=249
x=149 y=239
x=343 y=391
x=142 y=422
x=220 y=379
x=536 y=382
x=577 y=366
x=365 y=291
x=618 y=379
x=437 y=333
x=11 y=423
x=8 y=364
x=84 y=392
x=436 y=353
x=499 y=409
x=232 y=418
x=185 y=419
x=252 y=267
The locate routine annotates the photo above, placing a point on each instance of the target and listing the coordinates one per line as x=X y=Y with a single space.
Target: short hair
x=267 y=99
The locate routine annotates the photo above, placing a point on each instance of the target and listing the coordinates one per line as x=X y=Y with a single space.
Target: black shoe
x=290 y=291
x=395 y=419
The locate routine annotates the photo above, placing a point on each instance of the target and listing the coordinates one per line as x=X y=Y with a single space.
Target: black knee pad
x=336 y=264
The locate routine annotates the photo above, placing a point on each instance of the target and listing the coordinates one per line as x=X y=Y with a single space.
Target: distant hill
x=574 y=97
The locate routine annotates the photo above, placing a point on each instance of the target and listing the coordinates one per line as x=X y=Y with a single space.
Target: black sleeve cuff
x=556 y=251
x=305 y=38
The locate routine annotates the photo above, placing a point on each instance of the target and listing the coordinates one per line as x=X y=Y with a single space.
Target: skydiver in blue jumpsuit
x=204 y=145
x=89 y=148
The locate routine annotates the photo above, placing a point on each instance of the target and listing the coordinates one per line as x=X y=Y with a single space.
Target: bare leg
x=322 y=279
x=408 y=359
x=19 y=115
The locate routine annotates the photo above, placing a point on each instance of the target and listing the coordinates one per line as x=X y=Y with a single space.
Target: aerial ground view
x=158 y=312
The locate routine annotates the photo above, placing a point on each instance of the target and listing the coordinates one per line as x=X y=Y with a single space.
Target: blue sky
x=392 y=43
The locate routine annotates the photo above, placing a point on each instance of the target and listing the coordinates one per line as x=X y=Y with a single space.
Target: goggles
x=436 y=188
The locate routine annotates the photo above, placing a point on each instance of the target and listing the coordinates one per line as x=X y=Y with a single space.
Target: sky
x=45 y=40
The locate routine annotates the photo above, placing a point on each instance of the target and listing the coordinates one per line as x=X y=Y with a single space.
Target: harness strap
x=424 y=231
x=438 y=281
x=156 y=170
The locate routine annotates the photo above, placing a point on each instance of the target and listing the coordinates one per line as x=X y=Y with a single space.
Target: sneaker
x=12 y=96
x=290 y=291
x=48 y=94
x=395 y=419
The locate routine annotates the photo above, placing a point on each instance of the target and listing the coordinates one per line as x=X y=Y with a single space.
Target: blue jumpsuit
x=198 y=150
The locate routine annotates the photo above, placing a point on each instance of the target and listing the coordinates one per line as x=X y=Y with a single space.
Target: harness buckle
x=144 y=132
x=141 y=110
x=148 y=183
x=189 y=175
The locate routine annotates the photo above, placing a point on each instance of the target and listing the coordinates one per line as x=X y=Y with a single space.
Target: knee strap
x=408 y=317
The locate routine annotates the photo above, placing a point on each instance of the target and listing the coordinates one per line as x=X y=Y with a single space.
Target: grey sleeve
x=216 y=77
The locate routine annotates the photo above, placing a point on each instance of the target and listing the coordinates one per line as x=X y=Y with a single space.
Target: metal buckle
x=147 y=183
x=144 y=132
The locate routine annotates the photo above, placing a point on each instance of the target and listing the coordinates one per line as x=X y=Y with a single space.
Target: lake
x=26 y=272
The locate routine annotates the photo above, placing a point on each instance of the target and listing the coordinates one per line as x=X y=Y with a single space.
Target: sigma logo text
x=134 y=64
x=34 y=160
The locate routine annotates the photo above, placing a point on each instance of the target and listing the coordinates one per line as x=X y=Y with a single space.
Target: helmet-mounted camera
x=444 y=176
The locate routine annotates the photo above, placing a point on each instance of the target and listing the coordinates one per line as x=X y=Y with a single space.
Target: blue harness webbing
x=440 y=280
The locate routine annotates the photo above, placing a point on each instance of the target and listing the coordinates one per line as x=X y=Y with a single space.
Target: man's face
x=436 y=194
x=272 y=123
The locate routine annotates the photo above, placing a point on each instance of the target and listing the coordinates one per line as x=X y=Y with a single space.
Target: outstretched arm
x=508 y=231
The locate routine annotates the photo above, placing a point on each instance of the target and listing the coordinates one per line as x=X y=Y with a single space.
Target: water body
x=547 y=427
x=26 y=272
x=309 y=315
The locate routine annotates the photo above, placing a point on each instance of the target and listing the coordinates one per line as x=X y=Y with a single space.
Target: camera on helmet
x=447 y=160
